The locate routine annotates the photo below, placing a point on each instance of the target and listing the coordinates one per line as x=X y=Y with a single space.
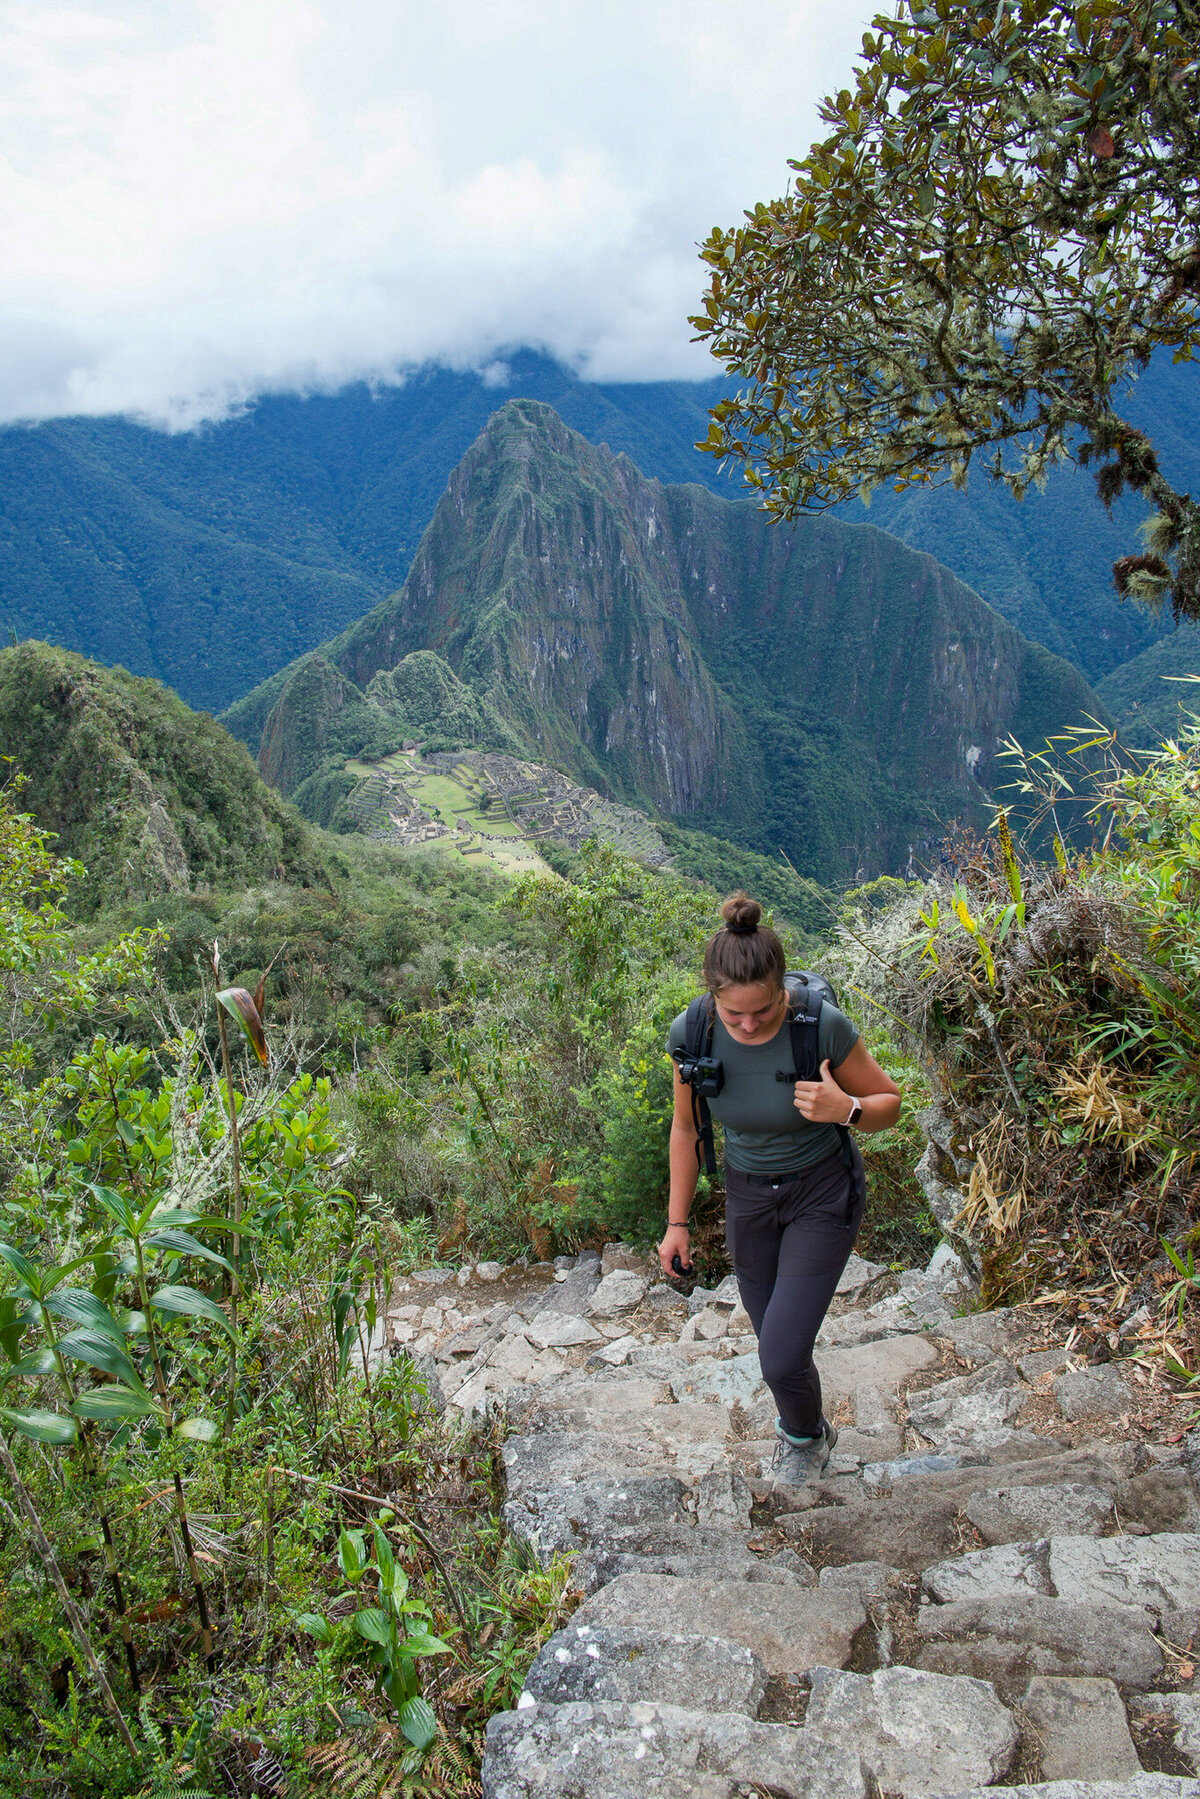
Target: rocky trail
x=996 y=1585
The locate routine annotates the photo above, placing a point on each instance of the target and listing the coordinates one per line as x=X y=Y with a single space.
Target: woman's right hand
x=677 y=1242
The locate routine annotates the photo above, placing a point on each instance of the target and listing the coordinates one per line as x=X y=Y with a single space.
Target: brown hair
x=743 y=952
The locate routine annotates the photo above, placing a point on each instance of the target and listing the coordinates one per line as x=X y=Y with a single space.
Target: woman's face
x=752 y=1013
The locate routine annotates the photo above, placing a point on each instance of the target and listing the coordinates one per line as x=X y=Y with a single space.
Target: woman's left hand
x=823 y=1101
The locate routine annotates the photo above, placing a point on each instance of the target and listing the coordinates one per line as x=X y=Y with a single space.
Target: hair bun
x=741 y=914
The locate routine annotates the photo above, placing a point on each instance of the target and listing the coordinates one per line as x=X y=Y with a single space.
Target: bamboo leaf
x=182 y=1243
x=100 y=1350
x=77 y=1306
x=43 y=1427
x=185 y=1302
x=32 y=1367
x=117 y=1207
x=115 y=1405
x=22 y=1267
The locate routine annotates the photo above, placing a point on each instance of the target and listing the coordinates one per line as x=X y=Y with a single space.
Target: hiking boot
x=798 y=1460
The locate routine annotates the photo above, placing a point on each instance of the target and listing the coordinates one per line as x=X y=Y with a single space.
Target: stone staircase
x=997 y=1582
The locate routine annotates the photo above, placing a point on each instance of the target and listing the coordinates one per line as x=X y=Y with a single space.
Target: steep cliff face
x=823 y=690
x=540 y=583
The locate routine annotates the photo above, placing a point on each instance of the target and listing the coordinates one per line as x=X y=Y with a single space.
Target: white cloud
x=204 y=200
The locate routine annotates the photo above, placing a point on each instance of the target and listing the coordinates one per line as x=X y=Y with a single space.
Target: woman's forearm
x=685 y=1170
x=879 y=1111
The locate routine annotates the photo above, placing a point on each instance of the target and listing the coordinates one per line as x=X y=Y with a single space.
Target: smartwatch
x=855 y=1113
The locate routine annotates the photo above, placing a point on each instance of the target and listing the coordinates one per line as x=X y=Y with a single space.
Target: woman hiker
x=794 y=1184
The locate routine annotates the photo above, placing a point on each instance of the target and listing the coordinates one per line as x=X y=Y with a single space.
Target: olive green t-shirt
x=764 y=1133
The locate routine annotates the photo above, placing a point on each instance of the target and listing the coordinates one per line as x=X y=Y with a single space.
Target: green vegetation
x=1054 y=1012
x=234 y=1550
x=149 y=796
x=1027 y=180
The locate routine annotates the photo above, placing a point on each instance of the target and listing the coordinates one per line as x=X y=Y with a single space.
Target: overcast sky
x=204 y=199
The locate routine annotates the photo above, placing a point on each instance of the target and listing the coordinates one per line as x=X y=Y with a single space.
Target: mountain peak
x=822 y=689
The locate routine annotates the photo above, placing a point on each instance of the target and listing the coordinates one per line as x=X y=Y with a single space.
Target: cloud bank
x=216 y=198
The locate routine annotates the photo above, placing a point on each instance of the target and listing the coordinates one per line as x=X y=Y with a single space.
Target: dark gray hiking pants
x=789 y=1238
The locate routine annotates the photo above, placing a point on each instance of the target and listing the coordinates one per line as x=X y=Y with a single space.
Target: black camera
x=704 y=1074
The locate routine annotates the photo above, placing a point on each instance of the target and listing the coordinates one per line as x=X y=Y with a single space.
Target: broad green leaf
x=199 y=1430
x=43 y=1427
x=415 y=1718
x=116 y=1404
x=423 y=1642
x=22 y=1267
x=14 y=1316
x=77 y=1306
x=99 y=1350
x=182 y=1243
x=385 y=1559
x=374 y=1625
x=31 y=1366
x=352 y=1554
x=240 y=1006
x=185 y=1302
x=117 y=1207
x=316 y=1626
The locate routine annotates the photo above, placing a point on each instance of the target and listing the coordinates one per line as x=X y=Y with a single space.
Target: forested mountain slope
x=151 y=797
x=825 y=691
x=212 y=558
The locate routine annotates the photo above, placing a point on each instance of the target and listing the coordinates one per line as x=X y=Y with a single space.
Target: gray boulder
x=618 y=1292
x=916 y=1732
x=1092 y=1393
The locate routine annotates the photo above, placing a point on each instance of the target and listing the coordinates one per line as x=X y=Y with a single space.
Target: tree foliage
x=996 y=234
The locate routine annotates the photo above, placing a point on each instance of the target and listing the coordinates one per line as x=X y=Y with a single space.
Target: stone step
x=919 y=1522
x=915 y=1732
x=1009 y=1640
x=586 y=1662
x=610 y=1750
x=1141 y=1786
x=1153 y=1574
x=790 y=1626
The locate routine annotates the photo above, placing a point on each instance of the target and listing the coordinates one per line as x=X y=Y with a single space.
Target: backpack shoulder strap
x=807 y=993
x=698 y=1026
x=805 y=999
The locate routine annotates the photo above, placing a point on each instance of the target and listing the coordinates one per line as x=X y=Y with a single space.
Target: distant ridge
x=212 y=558
x=825 y=691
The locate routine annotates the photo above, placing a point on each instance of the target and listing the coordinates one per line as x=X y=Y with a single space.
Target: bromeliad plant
x=392 y=1635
